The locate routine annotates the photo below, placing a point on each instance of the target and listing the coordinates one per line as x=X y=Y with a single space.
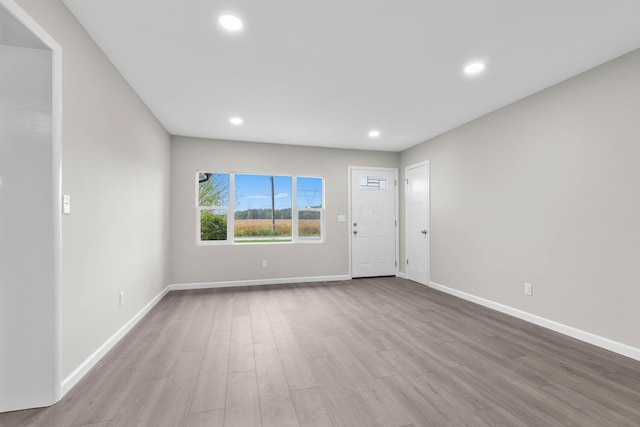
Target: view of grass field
x=262 y=227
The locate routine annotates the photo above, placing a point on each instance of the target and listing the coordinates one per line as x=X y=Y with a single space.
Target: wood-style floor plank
x=211 y=389
x=172 y=407
x=243 y=406
x=206 y=419
x=421 y=411
x=241 y=350
x=113 y=390
x=383 y=408
x=140 y=403
x=295 y=365
x=306 y=337
x=367 y=352
x=260 y=324
x=310 y=408
x=346 y=407
x=276 y=405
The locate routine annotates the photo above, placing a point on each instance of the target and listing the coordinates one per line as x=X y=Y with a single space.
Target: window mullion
x=294 y=210
x=231 y=211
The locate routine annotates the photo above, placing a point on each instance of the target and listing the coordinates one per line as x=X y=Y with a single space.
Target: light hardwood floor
x=366 y=352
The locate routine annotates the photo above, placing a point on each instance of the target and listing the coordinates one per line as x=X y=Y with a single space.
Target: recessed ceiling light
x=374 y=133
x=235 y=120
x=230 y=22
x=474 y=68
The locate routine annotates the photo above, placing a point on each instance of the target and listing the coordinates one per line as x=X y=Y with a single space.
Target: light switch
x=66 y=204
x=342 y=218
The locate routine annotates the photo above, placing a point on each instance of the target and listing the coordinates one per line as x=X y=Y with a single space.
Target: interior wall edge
x=31 y=387
x=598 y=341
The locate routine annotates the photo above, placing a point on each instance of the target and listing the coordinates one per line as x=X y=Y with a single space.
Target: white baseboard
x=579 y=334
x=91 y=361
x=402 y=275
x=257 y=282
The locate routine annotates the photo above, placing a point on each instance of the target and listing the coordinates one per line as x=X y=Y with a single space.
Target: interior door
x=417 y=224
x=373 y=222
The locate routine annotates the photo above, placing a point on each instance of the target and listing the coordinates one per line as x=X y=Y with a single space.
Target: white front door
x=373 y=222
x=417 y=224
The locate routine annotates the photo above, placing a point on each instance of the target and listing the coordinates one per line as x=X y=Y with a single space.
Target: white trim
x=588 y=337
x=402 y=275
x=349 y=219
x=90 y=362
x=57 y=204
x=257 y=282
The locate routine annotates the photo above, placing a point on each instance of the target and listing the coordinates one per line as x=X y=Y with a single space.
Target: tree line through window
x=250 y=208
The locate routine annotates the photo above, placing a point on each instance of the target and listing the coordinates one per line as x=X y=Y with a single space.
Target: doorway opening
x=30 y=212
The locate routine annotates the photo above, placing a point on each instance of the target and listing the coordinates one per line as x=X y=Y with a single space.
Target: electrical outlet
x=528 y=289
x=265 y=264
x=121 y=299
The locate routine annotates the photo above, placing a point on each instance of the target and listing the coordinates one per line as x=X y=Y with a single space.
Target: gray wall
x=191 y=263
x=546 y=190
x=115 y=159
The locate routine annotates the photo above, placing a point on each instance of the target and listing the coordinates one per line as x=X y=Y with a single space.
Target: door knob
x=424 y=231
x=355 y=232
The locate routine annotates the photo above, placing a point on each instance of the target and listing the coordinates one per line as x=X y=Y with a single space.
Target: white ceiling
x=324 y=73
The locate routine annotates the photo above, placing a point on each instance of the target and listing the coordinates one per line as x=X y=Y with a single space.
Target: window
x=373 y=182
x=262 y=209
x=213 y=205
x=250 y=208
x=309 y=207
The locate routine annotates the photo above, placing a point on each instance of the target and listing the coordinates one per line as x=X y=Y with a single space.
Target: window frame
x=230 y=210
x=296 y=217
x=199 y=209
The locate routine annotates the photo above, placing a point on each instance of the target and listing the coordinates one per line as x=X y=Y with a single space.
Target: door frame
x=53 y=391
x=406 y=213
x=396 y=211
